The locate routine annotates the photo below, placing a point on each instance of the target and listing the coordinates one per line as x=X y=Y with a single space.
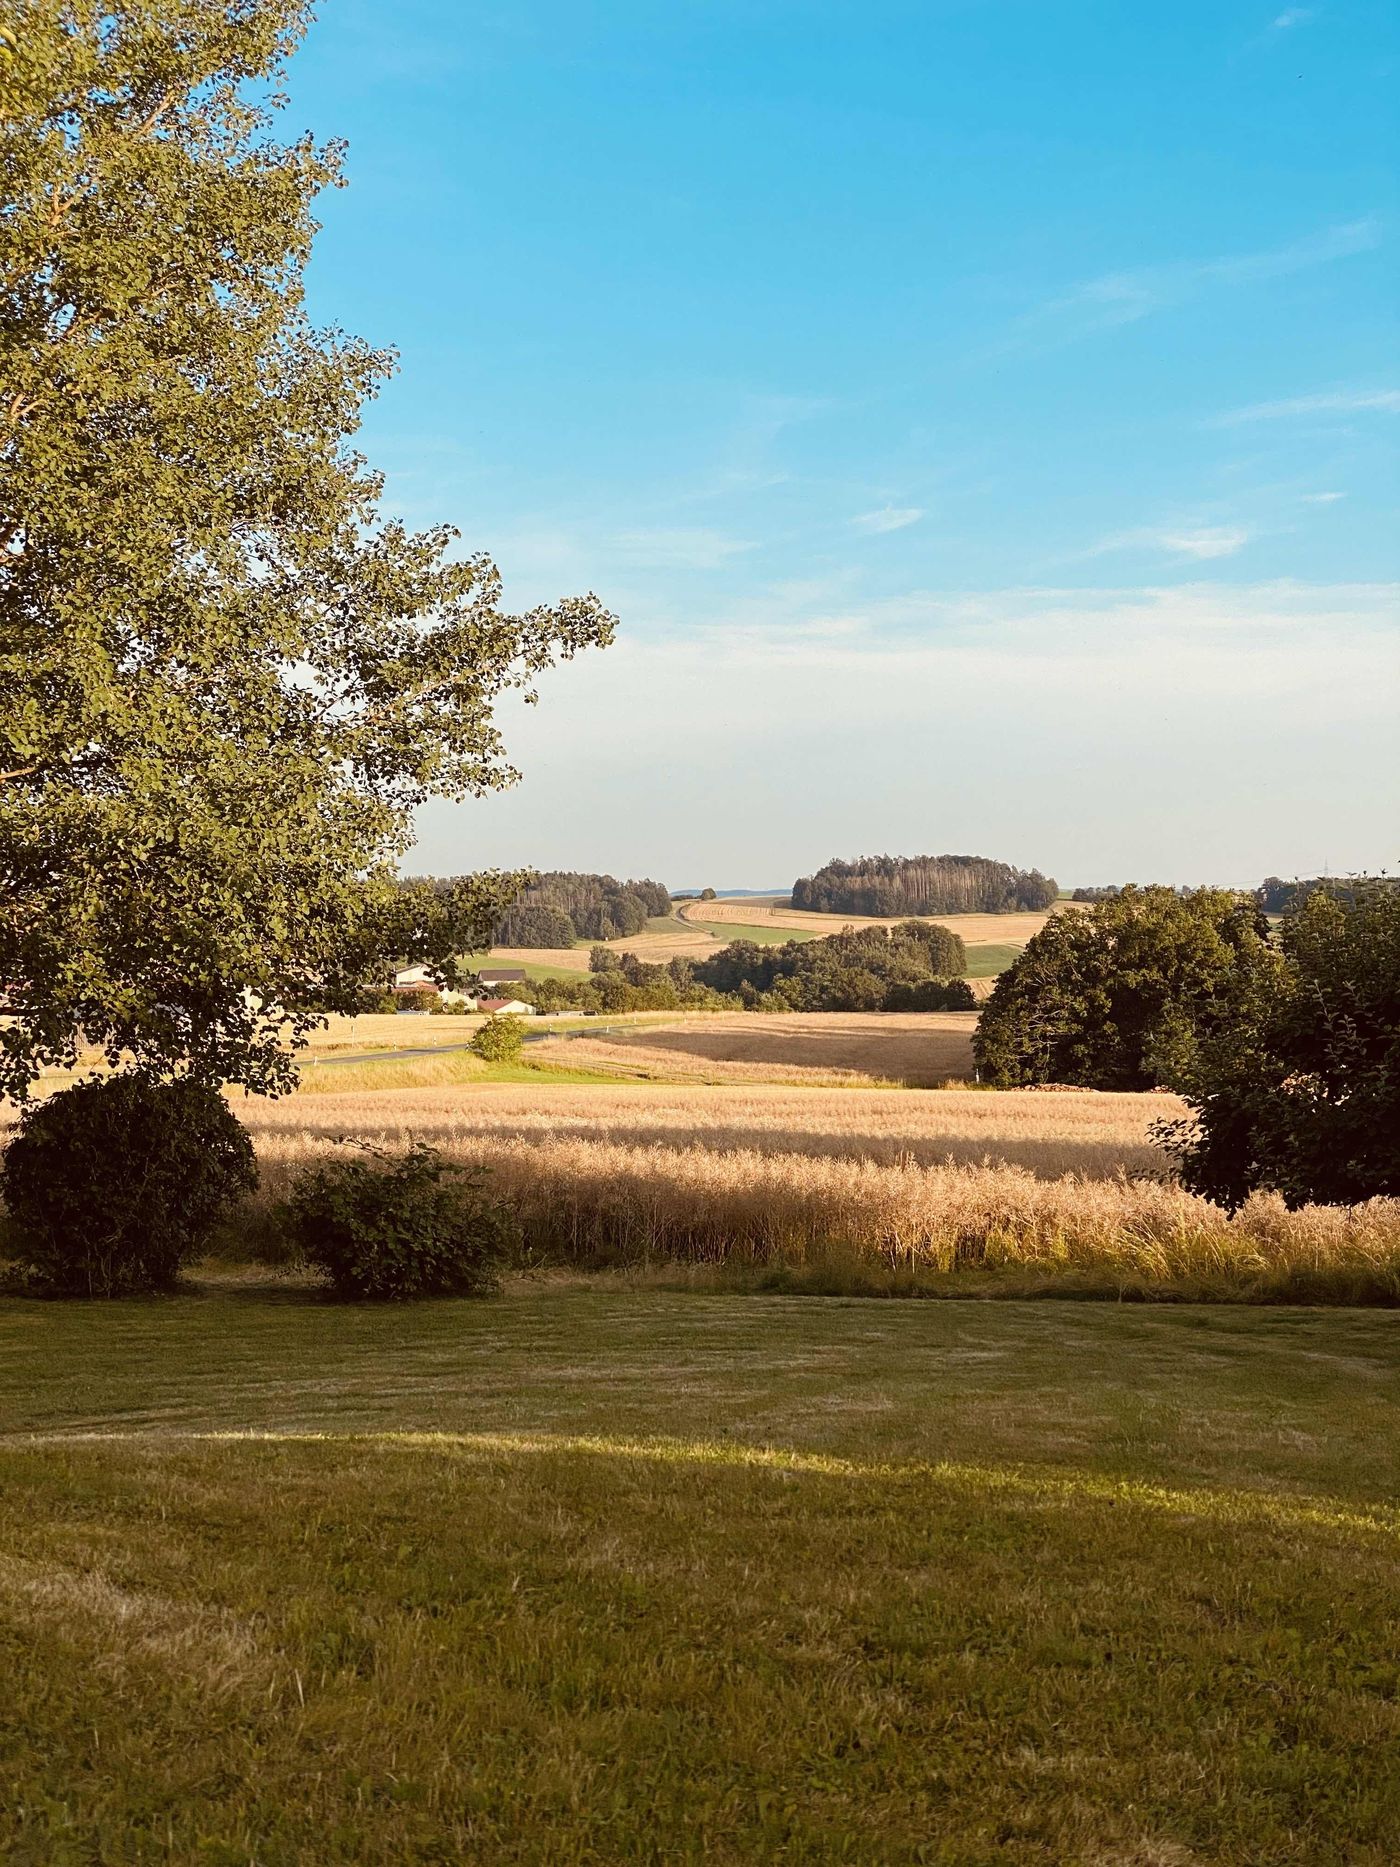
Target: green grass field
x=606 y=1574
x=987 y=960
x=764 y=935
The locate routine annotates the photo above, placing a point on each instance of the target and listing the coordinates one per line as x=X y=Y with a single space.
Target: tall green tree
x=226 y=679
x=1297 y=1090
x=1117 y=997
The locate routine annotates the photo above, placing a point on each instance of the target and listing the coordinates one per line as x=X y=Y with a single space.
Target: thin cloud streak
x=1115 y=299
x=1326 y=402
x=1200 y=544
x=889 y=519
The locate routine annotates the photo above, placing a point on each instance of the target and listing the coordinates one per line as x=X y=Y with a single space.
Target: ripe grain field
x=936 y=1191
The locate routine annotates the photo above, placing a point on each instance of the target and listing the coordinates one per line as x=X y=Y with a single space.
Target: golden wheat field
x=923 y=1048
x=937 y=1183
x=772 y=911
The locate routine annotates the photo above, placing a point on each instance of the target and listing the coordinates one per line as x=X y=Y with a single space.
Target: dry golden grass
x=904 y=1182
x=392 y=1031
x=917 y=1047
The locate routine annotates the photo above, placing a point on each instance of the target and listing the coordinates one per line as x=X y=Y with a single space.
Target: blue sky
x=980 y=414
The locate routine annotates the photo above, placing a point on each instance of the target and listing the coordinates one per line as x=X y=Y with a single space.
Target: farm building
x=504 y=1007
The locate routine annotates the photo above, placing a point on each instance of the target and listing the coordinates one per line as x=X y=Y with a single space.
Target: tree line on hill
x=562 y=907
x=891 y=885
x=1276 y=896
x=1287 y=1049
x=914 y=967
x=1272 y=896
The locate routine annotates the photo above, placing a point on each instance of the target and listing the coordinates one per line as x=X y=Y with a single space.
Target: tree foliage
x=889 y=885
x=500 y=1039
x=591 y=907
x=1115 y=997
x=1297 y=1090
x=225 y=679
x=1276 y=896
x=535 y=923
x=915 y=966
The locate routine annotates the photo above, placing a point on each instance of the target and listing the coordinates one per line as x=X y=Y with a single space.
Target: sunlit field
x=773 y=911
x=626 y=1576
x=700 y=928
x=919 y=1047
x=942 y=1191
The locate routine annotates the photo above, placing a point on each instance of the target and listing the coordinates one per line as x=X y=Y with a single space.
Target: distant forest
x=923 y=885
x=559 y=908
x=1276 y=896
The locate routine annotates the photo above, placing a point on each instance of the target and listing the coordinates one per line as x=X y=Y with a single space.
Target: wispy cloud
x=679 y=548
x=1198 y=543
x=1292 y=16
x=1326 y=402
x=889 y=518
x=1114 y=299
x=1321 y=499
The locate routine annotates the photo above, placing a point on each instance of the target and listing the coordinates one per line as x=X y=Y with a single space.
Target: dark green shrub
x=500 y=1040
x=1297 y=1091
x=113 y=1185
x=389 y=1227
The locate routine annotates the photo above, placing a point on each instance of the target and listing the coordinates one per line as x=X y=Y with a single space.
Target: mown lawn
x=608 y=1574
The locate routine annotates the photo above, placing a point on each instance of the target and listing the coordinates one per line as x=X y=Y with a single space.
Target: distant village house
x=411 y=982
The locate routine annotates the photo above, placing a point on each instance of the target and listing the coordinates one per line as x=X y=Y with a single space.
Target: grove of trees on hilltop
x=890 y=885
x=560 y=907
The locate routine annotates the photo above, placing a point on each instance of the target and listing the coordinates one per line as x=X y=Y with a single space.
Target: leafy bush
x=113 y=1185
x=500 y=1040
x=390 y=1227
